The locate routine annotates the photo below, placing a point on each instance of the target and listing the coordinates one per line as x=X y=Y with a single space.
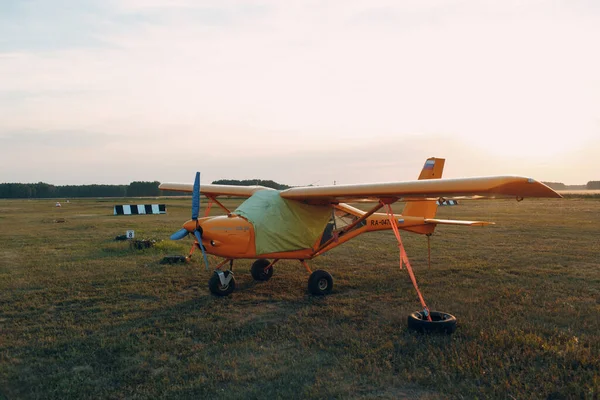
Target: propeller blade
x=180 y=234
x=199 y=239
x=196 y=197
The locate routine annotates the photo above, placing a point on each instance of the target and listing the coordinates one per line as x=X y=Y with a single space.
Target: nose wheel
x=222 y=283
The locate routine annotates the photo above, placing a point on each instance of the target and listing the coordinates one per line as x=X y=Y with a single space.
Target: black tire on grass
x=320 y=283
x=174 y=260
x=441 y=322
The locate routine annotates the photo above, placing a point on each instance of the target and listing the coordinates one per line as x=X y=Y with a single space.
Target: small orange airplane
x=304 y=222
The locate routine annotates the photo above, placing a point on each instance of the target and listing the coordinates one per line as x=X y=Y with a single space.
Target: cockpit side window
x=342 y=219
x=339 y=220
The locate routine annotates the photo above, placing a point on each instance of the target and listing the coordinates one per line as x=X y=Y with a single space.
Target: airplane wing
x=215 y=190
x=431 y=189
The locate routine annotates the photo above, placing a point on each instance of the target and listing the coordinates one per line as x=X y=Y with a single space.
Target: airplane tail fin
x=432 y=169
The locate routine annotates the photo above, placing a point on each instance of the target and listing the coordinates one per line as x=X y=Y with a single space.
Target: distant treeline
x=252 y=182
x=44 y=190
x=591 y=185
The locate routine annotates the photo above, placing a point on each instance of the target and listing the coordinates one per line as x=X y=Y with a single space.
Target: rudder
x=433 y=169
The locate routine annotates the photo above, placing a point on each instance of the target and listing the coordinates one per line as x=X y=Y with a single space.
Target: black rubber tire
x=320 y=283
x=141 y=244
x=441 y=322
x=174 y=260
x=258 y=270
x=215 y=287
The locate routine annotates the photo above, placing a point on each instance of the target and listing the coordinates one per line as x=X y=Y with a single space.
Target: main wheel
x=320 y=283
x=441 y=322
x=217 y=288
x=258 y=270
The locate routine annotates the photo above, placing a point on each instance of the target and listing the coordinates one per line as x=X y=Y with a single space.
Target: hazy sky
x=97 y=91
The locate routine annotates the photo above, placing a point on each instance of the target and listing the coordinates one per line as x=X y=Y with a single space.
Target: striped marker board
x=140 y=209
x=447 y=203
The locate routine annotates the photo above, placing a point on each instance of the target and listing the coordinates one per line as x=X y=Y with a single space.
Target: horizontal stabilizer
x=456 y=222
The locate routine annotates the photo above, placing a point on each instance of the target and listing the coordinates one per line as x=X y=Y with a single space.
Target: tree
x=16 y=190
x=556 y=185
x=593 y=185
x=142 y=189
x=44 y=190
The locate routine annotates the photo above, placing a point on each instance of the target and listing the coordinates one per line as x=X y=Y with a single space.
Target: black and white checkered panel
x=447 y=202
x=139 y=209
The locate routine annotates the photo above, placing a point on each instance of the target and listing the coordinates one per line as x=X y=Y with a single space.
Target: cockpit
x=338 y=221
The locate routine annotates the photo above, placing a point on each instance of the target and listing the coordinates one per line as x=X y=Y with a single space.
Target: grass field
x=83 y=316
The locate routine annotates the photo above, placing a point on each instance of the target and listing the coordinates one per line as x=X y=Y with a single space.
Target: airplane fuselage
x=232 y=236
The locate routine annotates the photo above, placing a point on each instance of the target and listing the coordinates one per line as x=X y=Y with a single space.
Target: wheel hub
x=323 y=284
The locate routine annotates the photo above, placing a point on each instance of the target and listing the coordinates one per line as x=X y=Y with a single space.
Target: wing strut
x=213 y=199
x=207 y=211
x=404 y=257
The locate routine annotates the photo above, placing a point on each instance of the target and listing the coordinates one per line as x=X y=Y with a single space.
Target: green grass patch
x=83 y=316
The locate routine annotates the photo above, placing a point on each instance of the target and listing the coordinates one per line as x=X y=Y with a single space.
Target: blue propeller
x=180 y=234
x=199 y=239
x=196 y=197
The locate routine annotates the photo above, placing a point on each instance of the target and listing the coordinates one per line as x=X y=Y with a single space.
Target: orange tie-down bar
x=404 y=257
